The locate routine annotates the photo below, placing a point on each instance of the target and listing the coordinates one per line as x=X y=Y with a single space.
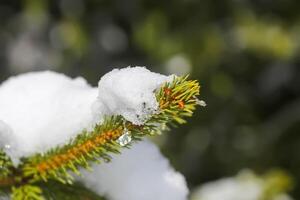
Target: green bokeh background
x=244 y=53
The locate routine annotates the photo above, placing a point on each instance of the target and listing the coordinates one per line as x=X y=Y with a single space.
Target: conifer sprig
x=86 y=148
x=177 y=99
x=27 y=192
x=6 y=167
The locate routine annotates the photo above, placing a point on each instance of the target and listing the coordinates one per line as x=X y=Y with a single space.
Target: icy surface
x=43 y=109
x=140 y=173
x=129 y=92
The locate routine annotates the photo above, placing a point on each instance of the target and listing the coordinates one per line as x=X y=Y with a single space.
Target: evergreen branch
x=27 y=192
x=177 y=100
x=6 y=165
x=76 y=191
x=79 y=152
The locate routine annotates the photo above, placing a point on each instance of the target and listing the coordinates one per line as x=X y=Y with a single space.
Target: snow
x=40 y=110
x=138 y=173
x=129 y=92
x=43 y=109
x=5 y=135
x=245 y=186
x=229 y=189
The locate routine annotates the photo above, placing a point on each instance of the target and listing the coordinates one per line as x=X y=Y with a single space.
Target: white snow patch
x=229 y=189
x=43 y=109
x=5 y=135
x=129 y=92
x=245 y=186
x=138 y=173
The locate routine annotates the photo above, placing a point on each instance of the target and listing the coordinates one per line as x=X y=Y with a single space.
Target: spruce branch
x=86 y=147
x=27 y=192
x=60 y=191
x=177 y=99
x=6 y=166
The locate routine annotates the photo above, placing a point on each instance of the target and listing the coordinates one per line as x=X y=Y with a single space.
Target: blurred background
x=244 y=53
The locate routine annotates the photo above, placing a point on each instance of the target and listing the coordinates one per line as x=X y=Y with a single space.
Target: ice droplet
x=124 y=139
x=201 y=102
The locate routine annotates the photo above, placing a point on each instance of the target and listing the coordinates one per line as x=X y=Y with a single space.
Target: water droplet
x=124 y=139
